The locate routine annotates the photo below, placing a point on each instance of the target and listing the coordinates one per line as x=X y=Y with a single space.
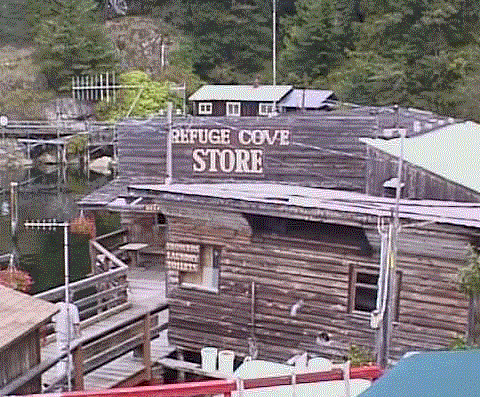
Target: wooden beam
x=147 y=359
x=78 y=368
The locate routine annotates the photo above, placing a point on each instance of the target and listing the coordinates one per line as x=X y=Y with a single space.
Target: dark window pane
x=365 y=299
x=367 y=278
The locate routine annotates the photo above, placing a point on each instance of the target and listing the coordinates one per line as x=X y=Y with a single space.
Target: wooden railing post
x=78 y=365
x=147 y=359
x=93 y=258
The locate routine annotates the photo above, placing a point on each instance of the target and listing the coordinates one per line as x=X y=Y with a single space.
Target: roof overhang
x=301 y=202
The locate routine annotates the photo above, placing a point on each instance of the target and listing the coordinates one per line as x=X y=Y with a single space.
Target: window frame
x=264 y=104
x=205 y=108
x=211 y=285
x=238 y=104
x=352 y=293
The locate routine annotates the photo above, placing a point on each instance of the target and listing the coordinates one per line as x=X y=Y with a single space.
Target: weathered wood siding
x=431 y=310
x=419 y=183
x=321 y=151
x=18 y=358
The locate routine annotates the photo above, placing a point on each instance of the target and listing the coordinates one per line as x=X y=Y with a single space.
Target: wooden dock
x=146 y=291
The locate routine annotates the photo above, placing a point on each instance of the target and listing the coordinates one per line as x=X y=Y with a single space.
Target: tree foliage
x=420 y=53
x=315 y=41
x=415 y=53
x=72 y=41
x=469 y=276
x=146 y=97
x=13 y=26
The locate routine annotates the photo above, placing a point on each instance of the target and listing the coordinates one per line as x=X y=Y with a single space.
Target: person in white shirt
x=61 y=329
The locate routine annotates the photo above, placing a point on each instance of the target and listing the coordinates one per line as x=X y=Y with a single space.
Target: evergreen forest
x=418 y=53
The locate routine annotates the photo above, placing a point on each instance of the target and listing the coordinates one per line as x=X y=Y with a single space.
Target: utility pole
x=169 y=165
x=384 y=314
x=274 y=44
x=52 y=224
x=274 y=50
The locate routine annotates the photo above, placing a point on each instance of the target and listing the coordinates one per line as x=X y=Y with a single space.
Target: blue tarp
x=433 y=374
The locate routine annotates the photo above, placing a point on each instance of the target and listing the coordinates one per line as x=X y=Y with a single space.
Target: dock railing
x=104 y=291
x=100 y=348
x=226 y=387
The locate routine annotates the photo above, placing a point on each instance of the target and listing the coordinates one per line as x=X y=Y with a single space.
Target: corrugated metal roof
x=431 y=374
x=21 y=313
x=464 y=214
x=261 y=93
x=451 y=152
x=307 y=99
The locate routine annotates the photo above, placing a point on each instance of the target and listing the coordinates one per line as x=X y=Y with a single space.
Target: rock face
x=65 y=109
x=12 y=155
x=143 y=43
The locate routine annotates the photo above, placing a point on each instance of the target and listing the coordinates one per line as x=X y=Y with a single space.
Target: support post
x=168 y=179
x=181 y=373
x=473 y=307
x=147 y=359
x=79 y=369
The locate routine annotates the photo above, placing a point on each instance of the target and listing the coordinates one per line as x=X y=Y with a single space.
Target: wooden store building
x=270 y=246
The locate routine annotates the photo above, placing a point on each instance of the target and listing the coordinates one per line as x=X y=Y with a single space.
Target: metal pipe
x=169 y=166
x=67 y=302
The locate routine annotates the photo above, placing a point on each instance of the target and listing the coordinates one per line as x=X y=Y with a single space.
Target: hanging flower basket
x=84 y=225
x=16 y=279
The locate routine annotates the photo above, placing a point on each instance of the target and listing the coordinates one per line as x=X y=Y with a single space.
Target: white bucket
x=225 y=361
x=319 y=364
x=209 y=358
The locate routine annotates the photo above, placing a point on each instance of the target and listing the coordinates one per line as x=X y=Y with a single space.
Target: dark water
x=48 y=194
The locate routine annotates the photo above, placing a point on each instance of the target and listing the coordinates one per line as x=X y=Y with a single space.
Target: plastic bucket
x=225 y=361
x=209 y=359
x=319 y=364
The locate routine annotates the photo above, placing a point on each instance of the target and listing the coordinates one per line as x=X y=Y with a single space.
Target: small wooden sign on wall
x=183 y=256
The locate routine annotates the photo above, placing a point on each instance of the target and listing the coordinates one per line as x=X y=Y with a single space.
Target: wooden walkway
x=146 y=291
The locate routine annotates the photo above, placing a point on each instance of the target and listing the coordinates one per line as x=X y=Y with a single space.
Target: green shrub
x=359 y=356
x=146 y=97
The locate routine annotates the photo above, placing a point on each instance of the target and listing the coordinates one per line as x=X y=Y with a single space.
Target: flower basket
x=19 y=280
x=84 y=225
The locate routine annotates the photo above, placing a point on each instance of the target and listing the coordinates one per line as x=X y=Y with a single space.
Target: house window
x=364 y=290
x=264 y=109
x=206 y=275
x=204 y=108
x=233 y=108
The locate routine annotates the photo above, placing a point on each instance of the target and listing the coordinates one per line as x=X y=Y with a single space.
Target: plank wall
x=323 y=151
x=431 y=310
x=419 y=183
x=17 y=358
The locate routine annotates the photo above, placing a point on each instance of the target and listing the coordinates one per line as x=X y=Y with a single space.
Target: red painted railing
x=225 y=387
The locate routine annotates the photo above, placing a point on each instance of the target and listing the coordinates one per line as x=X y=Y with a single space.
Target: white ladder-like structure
x=120 y=7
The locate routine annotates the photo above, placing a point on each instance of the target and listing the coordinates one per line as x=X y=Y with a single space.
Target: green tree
x=13 y=27
x=315 y=41
x=367 y=78
x=72 y=41
x=146 y=97
x=231 y=39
